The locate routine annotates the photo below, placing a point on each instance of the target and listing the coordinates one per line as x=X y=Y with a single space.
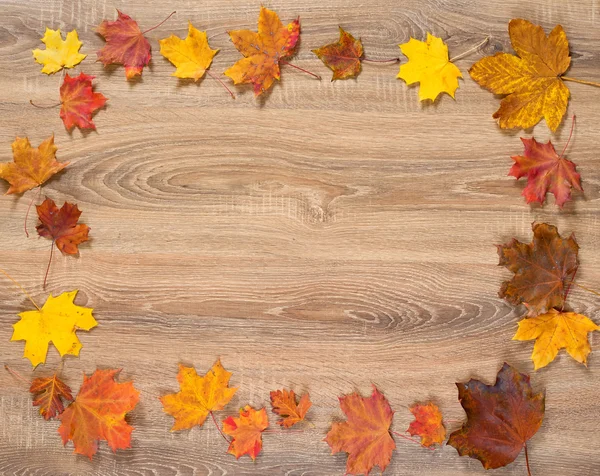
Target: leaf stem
x=29 y=208
x=216 y=78
x=276 y=430
x=21 y=288
x=587 y=289
x=580 y=81
x=469 y=51
x=301 y=69
x=16 y=374
x=219 y=428
x=527 y=460
x=570 y=135
x=49 y=262
x=369 y=60
x=569 y=288
x=154 y=27
x=44 y=107
x=414 y=441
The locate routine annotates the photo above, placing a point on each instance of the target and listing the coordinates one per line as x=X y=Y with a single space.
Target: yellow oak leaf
x=191 y=56
x=55 y=322
x=198 y=396
x=557 y=330
x=59 y=53
x=428 y=64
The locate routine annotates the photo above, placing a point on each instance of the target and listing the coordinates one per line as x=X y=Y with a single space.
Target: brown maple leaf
x=501 y=418
x=49 y=393
x=246 y=431
x=427 y=424
x=284 y=404
x=342 y=57
x=543 y=269
x=79 y=102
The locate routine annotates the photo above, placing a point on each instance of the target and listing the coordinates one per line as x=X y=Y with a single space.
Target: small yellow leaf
x=191 y=56
x=55 y=322
x=59 y=53
x=429 y=65
x=554 y=331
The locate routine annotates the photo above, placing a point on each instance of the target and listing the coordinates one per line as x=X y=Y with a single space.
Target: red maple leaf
x=49 y=393
x=61 y=225
x=427 y=424
x=79 y=102
x=246 y=431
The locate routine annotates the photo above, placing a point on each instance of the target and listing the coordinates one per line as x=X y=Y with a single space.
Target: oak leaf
x=546 y=171
x=79 y=102
x=263 y=50
x=543 y=269
x=56 y=322
x=531 y=81
x=284 y=404
x=98 y=414
x=59 y=53
x=427 y=424
x=342 y=57
x=428 y=64
x=365 y=436
x=198 y=396
x=49 y=393
x=501 y=418
x=30 y=167
x=557 y=330
x=61 y=225
x=246 y=431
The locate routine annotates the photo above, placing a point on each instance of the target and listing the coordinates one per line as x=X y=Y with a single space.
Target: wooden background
x=326 y=237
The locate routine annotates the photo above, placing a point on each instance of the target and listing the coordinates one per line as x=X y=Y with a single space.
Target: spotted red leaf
x=79 y=102
x=61 y=225
x=49 y=393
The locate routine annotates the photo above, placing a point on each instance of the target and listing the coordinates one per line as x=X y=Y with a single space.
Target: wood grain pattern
x=330 y=236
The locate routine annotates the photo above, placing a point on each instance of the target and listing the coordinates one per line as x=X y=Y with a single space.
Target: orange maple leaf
x=365 y=436
x=49 y=393
x=79 y=102
x=98 y=414
x=342 y=57
x=284 y=404
x=427 y=424
x=263 y=50
x=246 y=431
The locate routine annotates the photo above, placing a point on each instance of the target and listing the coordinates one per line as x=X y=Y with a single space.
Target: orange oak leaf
x=49 y=393
x=501 y=418
x=79 y=102
x=61 y=225
x=30 y=167
x=263 y=50
x=342 y=57
x=543 y=269
x=98 y=414
x=427 y=424
x=198 y=396
x=365 y=436
x=284 y=404
x=246 y=431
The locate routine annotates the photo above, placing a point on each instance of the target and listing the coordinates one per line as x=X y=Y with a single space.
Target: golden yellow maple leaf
x=59 y=53
x=557 y=330
x=531 y=82
x=428 y=64
x=192 y=56
x=198 y=396
x=55 y=322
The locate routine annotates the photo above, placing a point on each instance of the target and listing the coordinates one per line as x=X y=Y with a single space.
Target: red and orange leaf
x=543 y=269
x=98 y=414
x=263 y=50
x=427 y=424
x=546 y=171
x=501 y=418
x=342 y=57
x=49 y=393
x=365 y=436
x=246 y=431
x=79 y=102
x=30 y=167
x=61 y=225
x=284 y=404
x=125 y=44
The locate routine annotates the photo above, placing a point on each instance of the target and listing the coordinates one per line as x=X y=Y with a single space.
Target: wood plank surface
x=323 y=238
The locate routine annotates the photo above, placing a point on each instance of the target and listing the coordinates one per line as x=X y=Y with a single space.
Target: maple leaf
x=501 y=418
x=30 y=167
x=284 y=404
x=531 y=82
x=365 y=436
x=263 y=50
x=55 y=322
x=427 y=424
x=59 y=53
x=61 y=225
x=342 y=57
x=246 y=431
x=546 y=171
x=557 y=330
x=49 y=393
x=98 y=414
x=79 y=102
x=428 y=64
x=198 y=396
x=542 y=269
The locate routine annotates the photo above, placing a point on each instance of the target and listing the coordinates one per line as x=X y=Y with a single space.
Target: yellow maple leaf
x=198 y=396
x=59 y=53
x=192 y=56
x=531 y=82
x=55 y=322
x=428 y=64
x=554 y=331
